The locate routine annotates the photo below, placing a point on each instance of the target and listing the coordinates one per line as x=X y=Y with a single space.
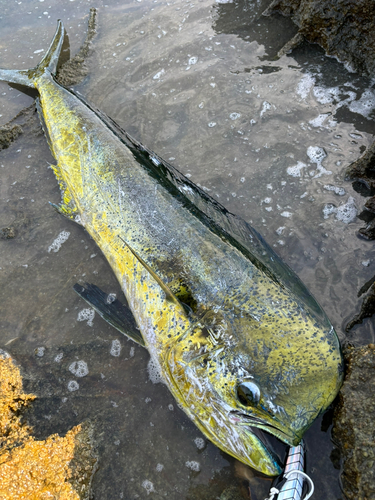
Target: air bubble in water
x=39 y=351
x=115 y=348
x=111 y=297
x=86 y=315
x=199 y=443
x=73 y=386
x=56 y=244
x=154 y=371
x=148 y=486
x=79 y=368
x=193 y=465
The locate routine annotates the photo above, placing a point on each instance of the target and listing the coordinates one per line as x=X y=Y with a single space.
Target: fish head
x=240 y=388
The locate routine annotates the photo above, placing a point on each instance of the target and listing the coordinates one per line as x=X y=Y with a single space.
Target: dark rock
x=367 y=308
x=8 y=134
x=354 y=424
x=8 y=233
x=363 y=169
x=368 y=232
x=343 y=28
x=20 y=222
x=370 y=204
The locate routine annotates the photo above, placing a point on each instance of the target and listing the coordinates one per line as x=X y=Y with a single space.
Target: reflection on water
x=270 y=139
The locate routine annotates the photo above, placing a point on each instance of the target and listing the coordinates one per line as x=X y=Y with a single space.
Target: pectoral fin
x=169 y=295
x=111 y=310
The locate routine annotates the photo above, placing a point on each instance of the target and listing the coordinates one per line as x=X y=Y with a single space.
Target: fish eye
x=248 y=393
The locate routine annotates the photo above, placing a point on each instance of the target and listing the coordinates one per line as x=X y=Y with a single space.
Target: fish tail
x=47 y=64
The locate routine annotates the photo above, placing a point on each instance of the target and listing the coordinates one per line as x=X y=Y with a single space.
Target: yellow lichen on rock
x=30 y=469
x=12 y=401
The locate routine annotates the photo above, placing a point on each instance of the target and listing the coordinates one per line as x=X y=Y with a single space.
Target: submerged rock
x=363 y=169
x=8 y=134
x=362 y=173
x=368 y=304
x=354 y=424
x=57 y=467
x=343 y=28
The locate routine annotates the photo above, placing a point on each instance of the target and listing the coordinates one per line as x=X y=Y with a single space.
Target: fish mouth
x=260 y=429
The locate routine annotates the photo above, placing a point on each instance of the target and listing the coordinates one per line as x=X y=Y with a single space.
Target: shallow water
x=199 y=83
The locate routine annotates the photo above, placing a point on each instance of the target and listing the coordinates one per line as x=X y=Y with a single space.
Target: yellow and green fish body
x=239 y=341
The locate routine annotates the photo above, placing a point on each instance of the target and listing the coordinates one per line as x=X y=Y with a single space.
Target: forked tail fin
x=48 y=63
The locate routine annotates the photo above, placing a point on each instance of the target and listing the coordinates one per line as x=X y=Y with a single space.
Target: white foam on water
x=265 y=107
x=347 y=212
x=111 y=298
x=73 y=386
x=326 y=95
x=365 y=263
x=115 y=348
x=132 y=351
x=79 y=368
x=39 y=351
x=304 y=86
x=212 y=124
x=234 y=116
x=159 y=467
x=295 y=170
x=340 y=191
x=319 y=120
x=148 y=486
x=154 y=371
x=316 y=154
x=199 y=443
x=57 y=242
x=329 y=209
x=365 y=104
x=193 y=60
x=86 y=315
x=4 y=354
x=193 y=465
x=280 y=230
x=59 y=357
x=286 y=214
x=159 y=74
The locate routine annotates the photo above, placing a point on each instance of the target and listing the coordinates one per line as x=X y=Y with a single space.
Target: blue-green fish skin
x=253 y=350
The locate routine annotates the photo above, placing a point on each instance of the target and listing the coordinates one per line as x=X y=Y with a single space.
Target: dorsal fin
x=217 y=218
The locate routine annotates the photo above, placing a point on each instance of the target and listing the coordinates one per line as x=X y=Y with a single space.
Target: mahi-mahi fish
x=240 y=342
